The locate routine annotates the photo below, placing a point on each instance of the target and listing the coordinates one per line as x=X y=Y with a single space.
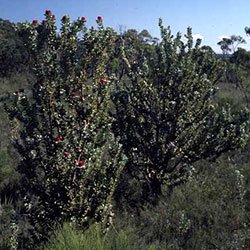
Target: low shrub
x=211 y=211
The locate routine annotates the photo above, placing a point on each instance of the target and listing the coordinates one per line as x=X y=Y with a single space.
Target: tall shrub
x=70 y=159
x=166 y=115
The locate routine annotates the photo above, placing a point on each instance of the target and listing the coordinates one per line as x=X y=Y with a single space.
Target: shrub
x=166 y=115
x=70 y=159
x=211 y=211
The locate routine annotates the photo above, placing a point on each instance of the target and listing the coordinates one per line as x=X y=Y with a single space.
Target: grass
x=228 y=93
x=68 y=237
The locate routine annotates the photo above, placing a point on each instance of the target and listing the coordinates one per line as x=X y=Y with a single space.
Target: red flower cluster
x=44 y=22
x=79 y=163
x=83 y=18
x=67 y=154
x=99 y=18
x=35 y=22
x=103 y=80
x=74 y=94
x=58 y=138
x=48 y=13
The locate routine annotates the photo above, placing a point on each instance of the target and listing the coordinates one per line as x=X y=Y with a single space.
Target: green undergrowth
x=68 y=237
x=211 y=211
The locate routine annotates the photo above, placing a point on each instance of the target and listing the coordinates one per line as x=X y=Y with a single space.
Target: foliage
x=237 y=72
x=70 y=160
x=211 y=211
x=165 y=113
x=166 y=116
x=13 y=54
x=8 y=226
x=68 y=237
x=230 y=44
x=9 y=177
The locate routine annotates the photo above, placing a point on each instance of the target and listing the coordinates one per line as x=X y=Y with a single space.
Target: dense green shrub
x=70 y=160
x=166 y=115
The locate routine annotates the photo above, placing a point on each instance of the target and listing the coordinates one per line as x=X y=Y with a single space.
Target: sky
x=209 y=19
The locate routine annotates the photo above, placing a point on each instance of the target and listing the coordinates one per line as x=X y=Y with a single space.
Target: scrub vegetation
x=122 y=140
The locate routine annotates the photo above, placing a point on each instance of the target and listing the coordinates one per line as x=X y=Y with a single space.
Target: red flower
x=80 y=163
x=67 y=154
x=74 y=94
x=58 y=138
x=44 y=22
x=35 y=22
x=103 y=80
x=83 y=18
x=53 y=17
x=99 y=18
x=48 y=12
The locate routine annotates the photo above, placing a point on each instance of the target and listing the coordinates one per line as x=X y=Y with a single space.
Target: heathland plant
x=166 y=115
x=158 y=108
x=70 y=159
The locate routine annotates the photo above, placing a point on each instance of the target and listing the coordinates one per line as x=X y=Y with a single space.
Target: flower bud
x=58 y=138
x=103 y=80
x=81 y=163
